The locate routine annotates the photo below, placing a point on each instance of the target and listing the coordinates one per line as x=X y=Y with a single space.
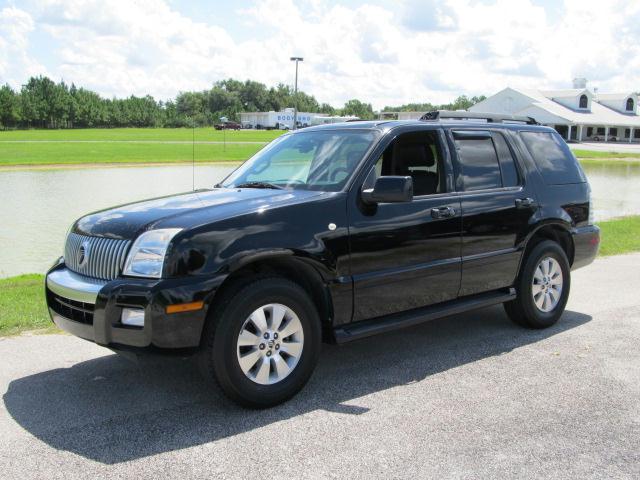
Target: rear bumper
x=92 y=309
x=586 y=241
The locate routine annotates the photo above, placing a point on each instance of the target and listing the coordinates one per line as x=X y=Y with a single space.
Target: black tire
x=523 y=309
x=219 y=351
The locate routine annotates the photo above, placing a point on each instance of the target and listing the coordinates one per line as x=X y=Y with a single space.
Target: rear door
x=497 y=204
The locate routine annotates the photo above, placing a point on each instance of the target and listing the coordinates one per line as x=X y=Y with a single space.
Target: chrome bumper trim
x=70 y=285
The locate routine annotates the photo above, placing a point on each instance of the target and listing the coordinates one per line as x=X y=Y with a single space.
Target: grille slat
x=104 y=256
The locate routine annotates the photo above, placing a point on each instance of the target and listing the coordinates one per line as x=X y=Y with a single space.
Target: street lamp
x=295 y=93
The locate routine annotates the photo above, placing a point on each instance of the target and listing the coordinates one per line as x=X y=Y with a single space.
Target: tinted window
x=415 y=154
x=478 y=163
x=555 y=161
x=507 y=165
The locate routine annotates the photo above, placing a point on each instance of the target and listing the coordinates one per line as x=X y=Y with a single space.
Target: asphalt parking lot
x=470 y=396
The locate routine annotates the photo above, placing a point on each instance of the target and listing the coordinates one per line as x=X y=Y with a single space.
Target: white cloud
x=15 y=64
x=422 y=51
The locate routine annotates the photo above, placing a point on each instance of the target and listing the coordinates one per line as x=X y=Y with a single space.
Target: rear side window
x=510 y=177
x=556 y=163
x=478 y=161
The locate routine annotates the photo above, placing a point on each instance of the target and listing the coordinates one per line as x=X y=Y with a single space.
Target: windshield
x=306 y=160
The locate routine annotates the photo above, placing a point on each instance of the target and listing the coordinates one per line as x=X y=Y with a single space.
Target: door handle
x=525 y=202
x=442 y=212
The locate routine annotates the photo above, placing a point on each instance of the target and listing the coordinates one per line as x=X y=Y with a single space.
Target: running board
x=366 y=328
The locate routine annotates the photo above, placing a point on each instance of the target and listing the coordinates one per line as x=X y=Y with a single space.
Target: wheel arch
x=286 y=264
x=557 y=231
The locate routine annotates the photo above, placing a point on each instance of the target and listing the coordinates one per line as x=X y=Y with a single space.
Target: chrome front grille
x=95 y=257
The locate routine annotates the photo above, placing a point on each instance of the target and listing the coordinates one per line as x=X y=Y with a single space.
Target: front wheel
x=542 y=287
x=262 y=342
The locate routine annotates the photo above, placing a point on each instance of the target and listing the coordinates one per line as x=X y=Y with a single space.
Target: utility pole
x=295 y=93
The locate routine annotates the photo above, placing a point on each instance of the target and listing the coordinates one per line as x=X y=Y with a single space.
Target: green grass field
x=154 y=145
x=141 y=134
x=18 y=154
x=127 y=145
x=597 y=155
x=22 y=304
x=620 y=235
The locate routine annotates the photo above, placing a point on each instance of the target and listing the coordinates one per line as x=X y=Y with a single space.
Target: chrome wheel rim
x=546 y=287
x=270 y=344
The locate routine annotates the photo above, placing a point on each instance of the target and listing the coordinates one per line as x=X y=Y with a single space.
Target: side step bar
x=366 y=328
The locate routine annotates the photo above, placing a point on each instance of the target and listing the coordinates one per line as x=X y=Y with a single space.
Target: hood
x=184 y=210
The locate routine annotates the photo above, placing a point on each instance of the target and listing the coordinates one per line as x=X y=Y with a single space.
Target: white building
x=277 y=119
x=577 y=114
x=322 y=119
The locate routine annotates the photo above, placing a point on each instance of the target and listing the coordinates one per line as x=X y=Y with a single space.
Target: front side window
x=417 y=155
x=479 y=167
x=321 y=160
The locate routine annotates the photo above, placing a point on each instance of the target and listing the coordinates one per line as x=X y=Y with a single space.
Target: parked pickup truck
x=227 y=126
x=333 y=233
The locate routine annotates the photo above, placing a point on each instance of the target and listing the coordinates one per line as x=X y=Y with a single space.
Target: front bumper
x=586 y=242
x=92 y=309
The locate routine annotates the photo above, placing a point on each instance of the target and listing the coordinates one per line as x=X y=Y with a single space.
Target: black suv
x=333 y=233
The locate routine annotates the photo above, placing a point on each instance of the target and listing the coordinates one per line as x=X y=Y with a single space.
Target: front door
x=406 y=255
x=497 y=205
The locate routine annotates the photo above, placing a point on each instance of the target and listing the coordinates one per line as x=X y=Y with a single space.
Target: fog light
x=133 y=317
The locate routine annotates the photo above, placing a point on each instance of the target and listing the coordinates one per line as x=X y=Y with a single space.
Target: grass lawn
x=621 y=235
x=127 y=145
x=591 y=154
x=13 y=154
x=151 y=145
x=141 y=134
x=22 y=305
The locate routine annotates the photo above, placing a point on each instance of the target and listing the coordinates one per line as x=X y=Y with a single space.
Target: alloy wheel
x=270 y=344
x=546 y=287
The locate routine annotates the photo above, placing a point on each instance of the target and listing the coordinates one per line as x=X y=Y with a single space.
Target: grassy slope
x=22 y=305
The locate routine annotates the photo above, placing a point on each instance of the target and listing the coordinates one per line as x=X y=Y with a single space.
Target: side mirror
x=389 y=190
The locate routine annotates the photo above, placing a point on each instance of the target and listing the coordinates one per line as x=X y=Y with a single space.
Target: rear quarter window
x=554 y=160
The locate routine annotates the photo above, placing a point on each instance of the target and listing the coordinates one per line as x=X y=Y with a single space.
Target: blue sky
x=382 y=51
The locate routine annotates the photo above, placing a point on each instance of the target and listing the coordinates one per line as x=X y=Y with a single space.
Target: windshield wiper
x=258 y=185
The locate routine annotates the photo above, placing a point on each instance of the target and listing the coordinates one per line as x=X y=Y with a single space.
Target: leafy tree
x=45 y=104
x=9 y=107
x=361 y=110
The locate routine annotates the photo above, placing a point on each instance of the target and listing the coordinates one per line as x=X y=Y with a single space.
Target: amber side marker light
x=185 y=307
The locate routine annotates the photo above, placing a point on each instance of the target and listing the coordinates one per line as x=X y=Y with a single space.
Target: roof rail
x=488 y=117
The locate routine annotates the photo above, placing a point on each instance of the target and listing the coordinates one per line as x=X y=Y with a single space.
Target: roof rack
x=487 y=117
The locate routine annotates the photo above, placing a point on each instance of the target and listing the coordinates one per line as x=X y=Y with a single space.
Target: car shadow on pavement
x=112 y=410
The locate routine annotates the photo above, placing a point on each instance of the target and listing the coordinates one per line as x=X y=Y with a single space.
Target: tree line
x=42 y=103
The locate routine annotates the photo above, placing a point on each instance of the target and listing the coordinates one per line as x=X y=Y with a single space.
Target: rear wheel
x=262 y=342
x=542 y=287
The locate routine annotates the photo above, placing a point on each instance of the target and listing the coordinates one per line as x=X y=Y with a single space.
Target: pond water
x=38 y=206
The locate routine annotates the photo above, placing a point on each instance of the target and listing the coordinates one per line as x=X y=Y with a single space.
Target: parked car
x=227 y=126
x=601 y=138
x=376 y=226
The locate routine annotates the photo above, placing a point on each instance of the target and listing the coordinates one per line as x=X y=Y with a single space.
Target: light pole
x=295 y=93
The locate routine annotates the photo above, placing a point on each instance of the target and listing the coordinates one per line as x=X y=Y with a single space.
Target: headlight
x=146 y=257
